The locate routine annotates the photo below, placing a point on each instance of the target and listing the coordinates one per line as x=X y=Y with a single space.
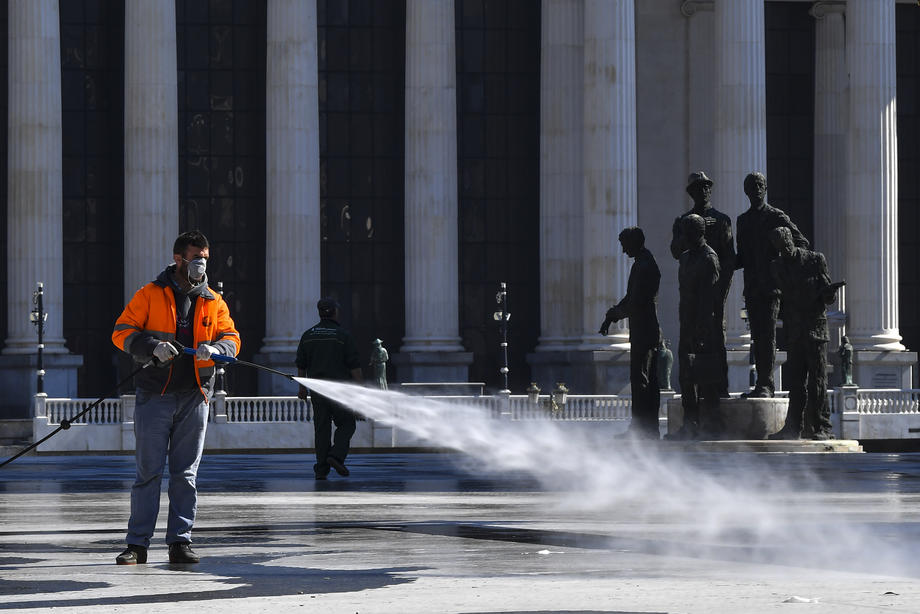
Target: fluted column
x=292 y=266
x=561 y=65
x=34 y=192
x=432 y=320
x=872 y=204
x=830 y=189
x=700 y=78
x=741 y=122
x=151 y=139
x=609 y=161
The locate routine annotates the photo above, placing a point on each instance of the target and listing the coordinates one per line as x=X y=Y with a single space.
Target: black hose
x=65 y=423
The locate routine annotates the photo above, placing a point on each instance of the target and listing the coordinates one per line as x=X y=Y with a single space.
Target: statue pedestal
x=873 y=369
x=18 y=380
x=432 y=366
x=740 y=418
x=582 y=371
x=270 y=385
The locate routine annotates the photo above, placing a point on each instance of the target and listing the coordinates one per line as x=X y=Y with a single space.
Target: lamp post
x=533 y=393
x=502 y=317
x=221 y=372
x=558 y=397
x=38 y=316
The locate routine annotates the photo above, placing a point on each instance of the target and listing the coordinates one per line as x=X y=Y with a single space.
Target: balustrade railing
x=109 y=411
x=888 y=401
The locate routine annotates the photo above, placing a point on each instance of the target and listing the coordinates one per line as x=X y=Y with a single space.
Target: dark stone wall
x=362 y=142
x=92 y=103
x=908 y=69
x=221 y=91
x=498 y=125
x=790 y=67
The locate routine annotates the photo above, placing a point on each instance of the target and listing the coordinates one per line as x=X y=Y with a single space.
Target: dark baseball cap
x=327 y=305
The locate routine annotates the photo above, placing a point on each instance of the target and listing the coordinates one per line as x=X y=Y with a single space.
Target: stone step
x=804 y=446
x=7 y=451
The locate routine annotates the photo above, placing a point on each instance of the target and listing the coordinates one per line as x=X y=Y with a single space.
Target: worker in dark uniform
x=328 y=351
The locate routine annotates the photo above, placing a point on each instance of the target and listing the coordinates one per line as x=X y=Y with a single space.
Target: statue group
x=780 y=272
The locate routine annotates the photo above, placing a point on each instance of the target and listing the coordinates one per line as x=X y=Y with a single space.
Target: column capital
x=820 y=10
x=689 y=8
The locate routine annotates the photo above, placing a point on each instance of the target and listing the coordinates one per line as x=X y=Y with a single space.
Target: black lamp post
x=221 y=372
x=38 y=316
x=502 y=317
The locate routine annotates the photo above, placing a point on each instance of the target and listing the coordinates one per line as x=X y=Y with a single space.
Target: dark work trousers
x=762 y=313
x=646 y=395
x=718 y=327
x=806 y=379
x=325 y=412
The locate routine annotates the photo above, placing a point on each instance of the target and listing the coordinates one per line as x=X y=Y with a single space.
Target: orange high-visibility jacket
x=150 y=317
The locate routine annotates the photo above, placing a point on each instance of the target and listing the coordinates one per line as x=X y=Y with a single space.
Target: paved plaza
x=437 y=533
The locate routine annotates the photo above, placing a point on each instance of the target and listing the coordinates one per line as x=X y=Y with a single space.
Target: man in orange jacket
x=171 y=412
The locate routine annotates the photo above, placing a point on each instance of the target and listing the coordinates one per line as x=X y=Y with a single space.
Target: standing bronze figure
x=698 y=278
x=802 y=277
x=718 y=237
x=761 y=294
x=640 y=305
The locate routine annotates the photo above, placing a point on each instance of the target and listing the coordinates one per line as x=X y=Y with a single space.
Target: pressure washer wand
x=233 y=360
x=65 y=423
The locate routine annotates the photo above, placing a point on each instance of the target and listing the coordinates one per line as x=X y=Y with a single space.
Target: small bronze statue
x=640 y=305
x=761 y=294
x=719 y=238
x=801 y=275
x=379 y=358
x=665 y=363
x=845 y=351
x=700 y=373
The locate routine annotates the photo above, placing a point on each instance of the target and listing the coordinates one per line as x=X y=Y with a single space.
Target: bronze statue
x=761 y=294
x=379 y=358
x=719 y=238
x=698 y=278
x=640 y=305
x=802 y=277
x=845 y=351
x=665 y=363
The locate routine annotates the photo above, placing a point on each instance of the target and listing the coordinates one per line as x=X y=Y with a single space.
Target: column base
x=432 y=366
x=271 y=385
x=873 y=369
x=19 y=385
x=582 y=371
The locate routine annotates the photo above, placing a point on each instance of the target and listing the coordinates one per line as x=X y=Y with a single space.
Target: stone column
x=431 y=349
x=151 y=140
x=561 y=64
x=609 y=160
x=872 y=206
x=34 y=196
x=292 y=266
x=741 y=124
x=561 y=107
x=830 y=189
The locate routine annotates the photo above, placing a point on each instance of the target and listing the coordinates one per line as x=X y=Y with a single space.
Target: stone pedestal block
x=432 y=366
x=740 y=418
x=583 y=372
x=18 y=381
x=873 y=369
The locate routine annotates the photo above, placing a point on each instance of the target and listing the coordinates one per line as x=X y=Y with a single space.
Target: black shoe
x=687 y=432
x=759 y=392
x=338 y=465
x=320 y=476
x=823 y=436
x=181 y=552
x=132 y=555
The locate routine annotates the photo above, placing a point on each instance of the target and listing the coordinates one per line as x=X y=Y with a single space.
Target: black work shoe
x=181 y=552
x=338 y=465
x=320 y=476
x=132 y=555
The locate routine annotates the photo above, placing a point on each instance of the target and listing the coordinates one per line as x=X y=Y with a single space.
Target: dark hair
x=327 y=307
x=192 y=237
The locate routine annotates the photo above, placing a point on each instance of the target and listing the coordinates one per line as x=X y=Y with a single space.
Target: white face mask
x=196 y=268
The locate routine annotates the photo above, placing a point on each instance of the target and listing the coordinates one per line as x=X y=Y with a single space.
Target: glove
x=164 y=352
x=605 y=328
x=205 y=351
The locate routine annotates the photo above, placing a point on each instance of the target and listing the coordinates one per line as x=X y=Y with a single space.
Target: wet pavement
x=436 y=533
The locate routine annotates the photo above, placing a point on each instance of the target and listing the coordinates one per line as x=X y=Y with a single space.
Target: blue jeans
x=170 y=425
